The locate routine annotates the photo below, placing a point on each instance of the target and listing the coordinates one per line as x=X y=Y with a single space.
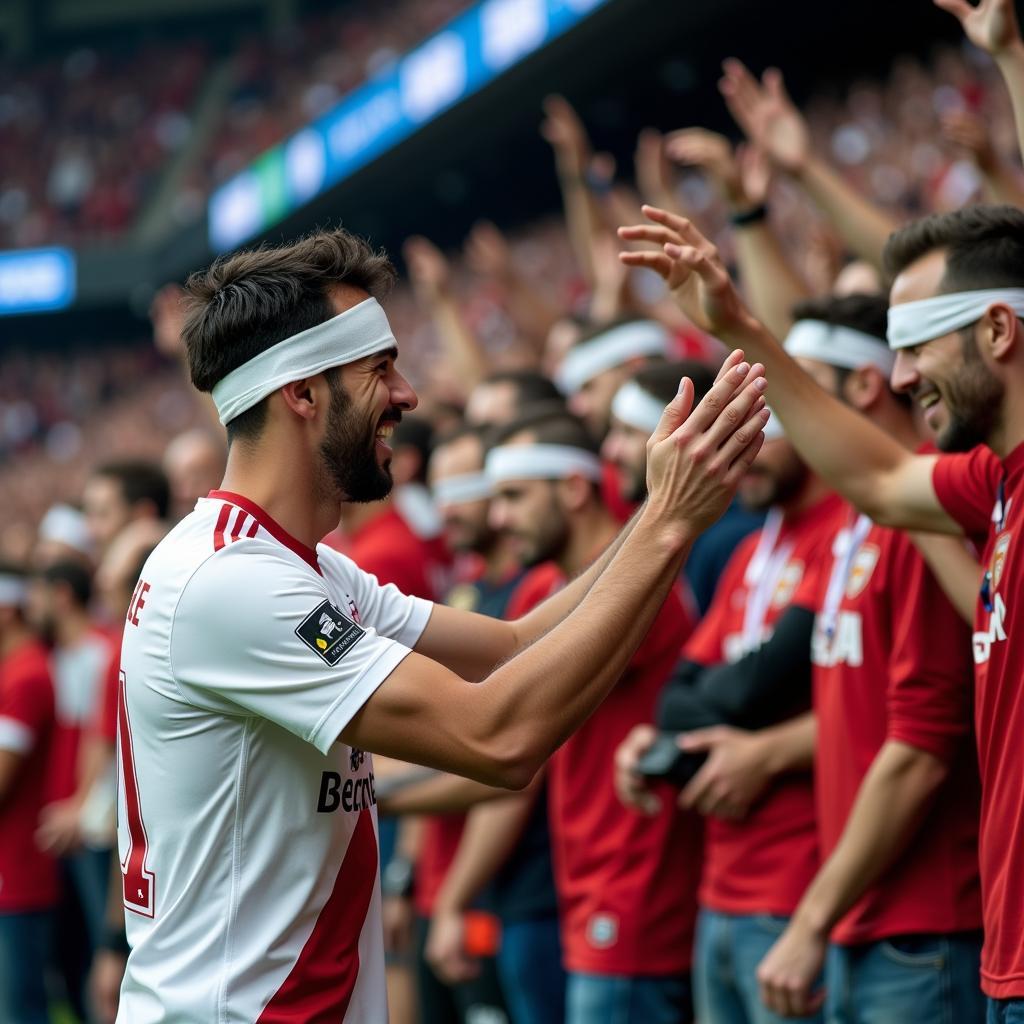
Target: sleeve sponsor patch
x=328 y=632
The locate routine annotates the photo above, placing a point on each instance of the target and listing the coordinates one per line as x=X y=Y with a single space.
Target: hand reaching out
x=487 y=251
x=694 y=272
x=767 y=115
x=713 y=154
x=563 y=129
x=991 y=25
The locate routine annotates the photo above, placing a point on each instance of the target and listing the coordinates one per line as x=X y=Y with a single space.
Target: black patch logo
x=328 y=632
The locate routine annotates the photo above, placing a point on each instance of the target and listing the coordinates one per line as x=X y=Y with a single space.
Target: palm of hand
x=782 y=132
x=991 y=25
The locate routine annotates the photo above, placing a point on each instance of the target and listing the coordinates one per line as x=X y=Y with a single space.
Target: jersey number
x=139 y=881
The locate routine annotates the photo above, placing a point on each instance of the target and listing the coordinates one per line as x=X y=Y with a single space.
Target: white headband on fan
x=358 y=332
x=608 y=350
x=540 y=462
x=13 y=591
x=912 y=323
x=63 y=524
x=637 y=408
x=772 y=430
x=455 y=490
x=838 y=346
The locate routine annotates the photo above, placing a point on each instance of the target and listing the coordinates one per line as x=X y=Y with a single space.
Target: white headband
x=13 y=591
x=608 y=350
x=455 y=490
x=66 y=525
x=358 y=332
x=540 y=462
x=911 y=323
x=637 y=408
x=838 y=346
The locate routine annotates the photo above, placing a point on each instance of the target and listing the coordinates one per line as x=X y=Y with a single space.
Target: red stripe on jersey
x=236 y=530
x=251 y=532
x=271 y=525
x=320 y=985
x=222 y=525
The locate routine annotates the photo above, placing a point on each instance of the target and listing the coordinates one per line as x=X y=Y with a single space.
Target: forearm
x=548 y=614
x=789 y=746
x=465 y=354
x=894 y=797
x=442 y=794
x=1002 y=184
x=769 y=280
x=956 y=569
x=1011 y=66
x=491 y=832
x=862 y=225
x=580 y=218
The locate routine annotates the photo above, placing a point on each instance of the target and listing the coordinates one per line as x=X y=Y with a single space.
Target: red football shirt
x=763 y=864
x=626 y=882
x=28 y=878
x=968 y=487
x=893 y=663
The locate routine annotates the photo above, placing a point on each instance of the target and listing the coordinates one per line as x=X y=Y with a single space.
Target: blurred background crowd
x=104 y=444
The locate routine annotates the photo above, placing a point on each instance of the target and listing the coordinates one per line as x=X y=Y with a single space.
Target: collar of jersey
x=270 y=524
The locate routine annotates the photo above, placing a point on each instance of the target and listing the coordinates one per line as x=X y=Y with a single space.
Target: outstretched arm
x=883 y=479
x=771 y=121
x=503 y=729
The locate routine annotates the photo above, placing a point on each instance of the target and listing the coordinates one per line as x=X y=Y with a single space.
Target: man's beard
x=349 y=467
x=973 y=400
x=550 y=539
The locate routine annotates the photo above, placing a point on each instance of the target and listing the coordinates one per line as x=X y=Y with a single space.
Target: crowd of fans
x=827 y=782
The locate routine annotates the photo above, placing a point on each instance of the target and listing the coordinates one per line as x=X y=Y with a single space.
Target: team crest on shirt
x=998 y=563
x=328 y=632
x=602 y=930
x=864 y=563
x=788 y=581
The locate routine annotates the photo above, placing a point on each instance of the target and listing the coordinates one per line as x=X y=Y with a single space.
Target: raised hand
x=653 y=174
x=697 y=456
x=563 y=129
x=428 y=268
x=487 y=251
x=968 y=130
x=693 y=271
x=767 y=115
x=991 y=26
x=713 y=154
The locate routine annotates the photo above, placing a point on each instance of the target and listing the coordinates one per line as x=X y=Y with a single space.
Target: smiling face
x=529 y=512
x=368 y=397
x=960 y=397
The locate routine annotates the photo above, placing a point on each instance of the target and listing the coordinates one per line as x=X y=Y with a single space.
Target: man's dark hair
x=865 y=313
x=139 y=481
x=248 y=301
x=662 y=379
x=74 y=576
x=530 y=386
x=547 y=427
x=984 y=247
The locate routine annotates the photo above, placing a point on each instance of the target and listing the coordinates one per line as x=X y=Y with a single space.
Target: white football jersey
x=247 y=835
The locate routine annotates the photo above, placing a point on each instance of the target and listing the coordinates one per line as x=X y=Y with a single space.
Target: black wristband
x=115 y=940
x=754 y=215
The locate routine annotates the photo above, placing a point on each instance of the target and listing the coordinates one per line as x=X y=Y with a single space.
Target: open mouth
x=928 y=399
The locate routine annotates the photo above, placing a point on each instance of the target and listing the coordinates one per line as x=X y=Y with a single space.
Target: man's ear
x=574 y=492
x=999 y=333
x=302 y=396
x=864 y=388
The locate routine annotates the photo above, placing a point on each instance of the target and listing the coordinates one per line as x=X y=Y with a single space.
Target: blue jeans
x=622 y=999
x=24 y=956
x=531 y=973
x=727 y=950
x=1005 y=1011
x=932 y=978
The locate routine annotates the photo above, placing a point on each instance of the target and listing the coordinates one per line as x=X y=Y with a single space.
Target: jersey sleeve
x=966 y=487
x=255 y=633
x=26 y=710
x=930 y=672
x=391 y=613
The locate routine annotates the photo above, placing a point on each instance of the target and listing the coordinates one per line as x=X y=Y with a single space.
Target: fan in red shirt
x=28 y=877
x=761 y=843
x=626 y=882
x=952 y=320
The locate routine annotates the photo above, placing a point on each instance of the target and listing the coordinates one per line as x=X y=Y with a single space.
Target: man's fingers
x=659 y=262
x=700 y=739
x=675 y=413
x=648 y=233
x=735 y=413
x=710 y=407
x=682 y=226
x=744 y=460
x=958 y=8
